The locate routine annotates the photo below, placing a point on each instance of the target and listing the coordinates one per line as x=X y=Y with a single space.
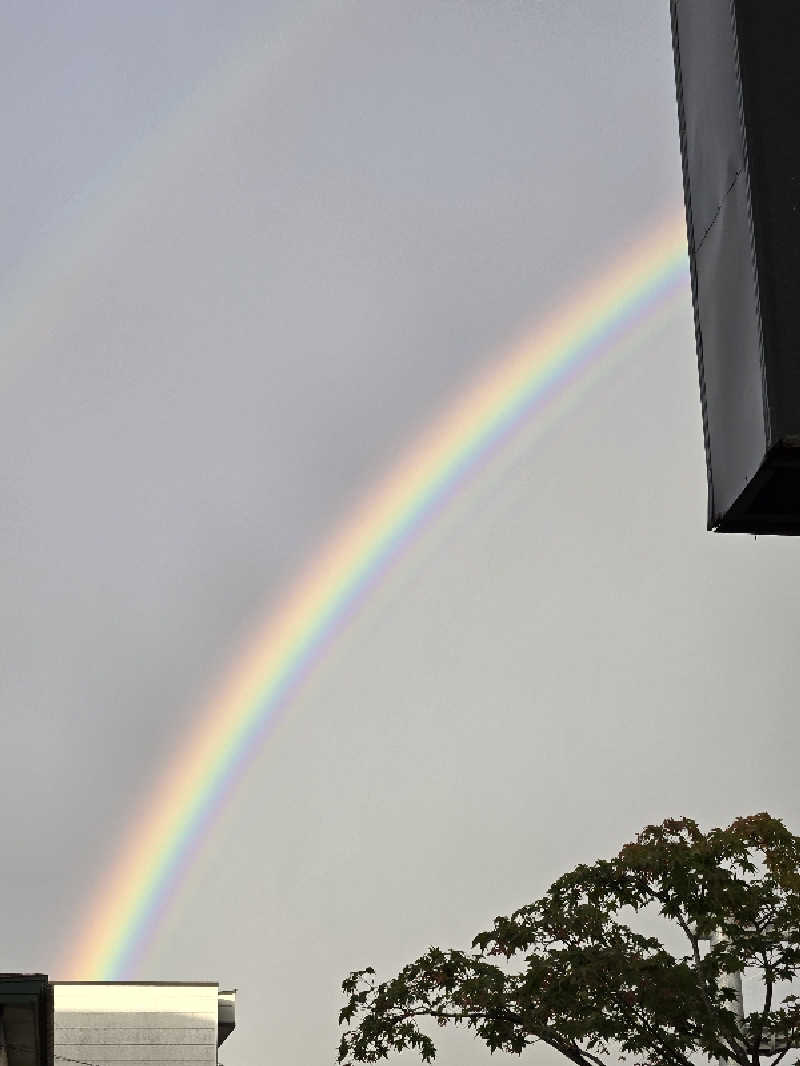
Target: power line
x=80 y=1062
x=61 y=1058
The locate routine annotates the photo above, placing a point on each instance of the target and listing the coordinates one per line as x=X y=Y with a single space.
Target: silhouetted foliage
x=589 y=985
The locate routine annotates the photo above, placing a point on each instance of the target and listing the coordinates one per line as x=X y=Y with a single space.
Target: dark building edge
x=769 y=505
x=687 y=201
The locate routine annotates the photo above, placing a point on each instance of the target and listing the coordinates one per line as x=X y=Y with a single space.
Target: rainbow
x=127 y=906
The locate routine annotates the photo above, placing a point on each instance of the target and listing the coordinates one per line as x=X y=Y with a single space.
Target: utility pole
x=771 y=1042
x=733 y=981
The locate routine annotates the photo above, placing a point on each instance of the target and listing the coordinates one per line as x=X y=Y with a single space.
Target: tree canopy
x=573 y=971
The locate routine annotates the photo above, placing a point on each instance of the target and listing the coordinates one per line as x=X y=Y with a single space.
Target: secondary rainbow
x=125 y=909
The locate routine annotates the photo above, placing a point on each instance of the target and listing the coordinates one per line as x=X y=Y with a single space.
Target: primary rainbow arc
x=155 y=857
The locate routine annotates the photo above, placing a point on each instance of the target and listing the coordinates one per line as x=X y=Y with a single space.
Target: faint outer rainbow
x=126 y=907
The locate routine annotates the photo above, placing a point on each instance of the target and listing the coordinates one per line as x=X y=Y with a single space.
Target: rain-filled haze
x=249 y=251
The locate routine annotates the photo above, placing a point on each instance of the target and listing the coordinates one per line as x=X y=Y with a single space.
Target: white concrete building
x=155 y=1023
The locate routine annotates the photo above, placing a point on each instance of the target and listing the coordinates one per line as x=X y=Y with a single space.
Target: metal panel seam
x=725 y=196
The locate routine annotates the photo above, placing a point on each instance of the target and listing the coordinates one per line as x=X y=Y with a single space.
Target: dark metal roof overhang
x=738 y=87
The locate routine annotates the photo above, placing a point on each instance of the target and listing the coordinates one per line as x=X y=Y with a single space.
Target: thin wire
x=81 y=1062
x=62 y=1058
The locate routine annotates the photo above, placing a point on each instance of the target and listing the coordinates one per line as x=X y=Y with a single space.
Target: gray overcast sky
x=249 y=251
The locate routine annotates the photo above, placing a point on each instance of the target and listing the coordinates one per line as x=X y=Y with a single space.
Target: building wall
x=136 y=1024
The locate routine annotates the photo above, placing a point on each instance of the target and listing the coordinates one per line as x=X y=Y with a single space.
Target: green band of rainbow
x=155 y=857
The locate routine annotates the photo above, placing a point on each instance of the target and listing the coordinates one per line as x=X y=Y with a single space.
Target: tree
x=571 y=971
